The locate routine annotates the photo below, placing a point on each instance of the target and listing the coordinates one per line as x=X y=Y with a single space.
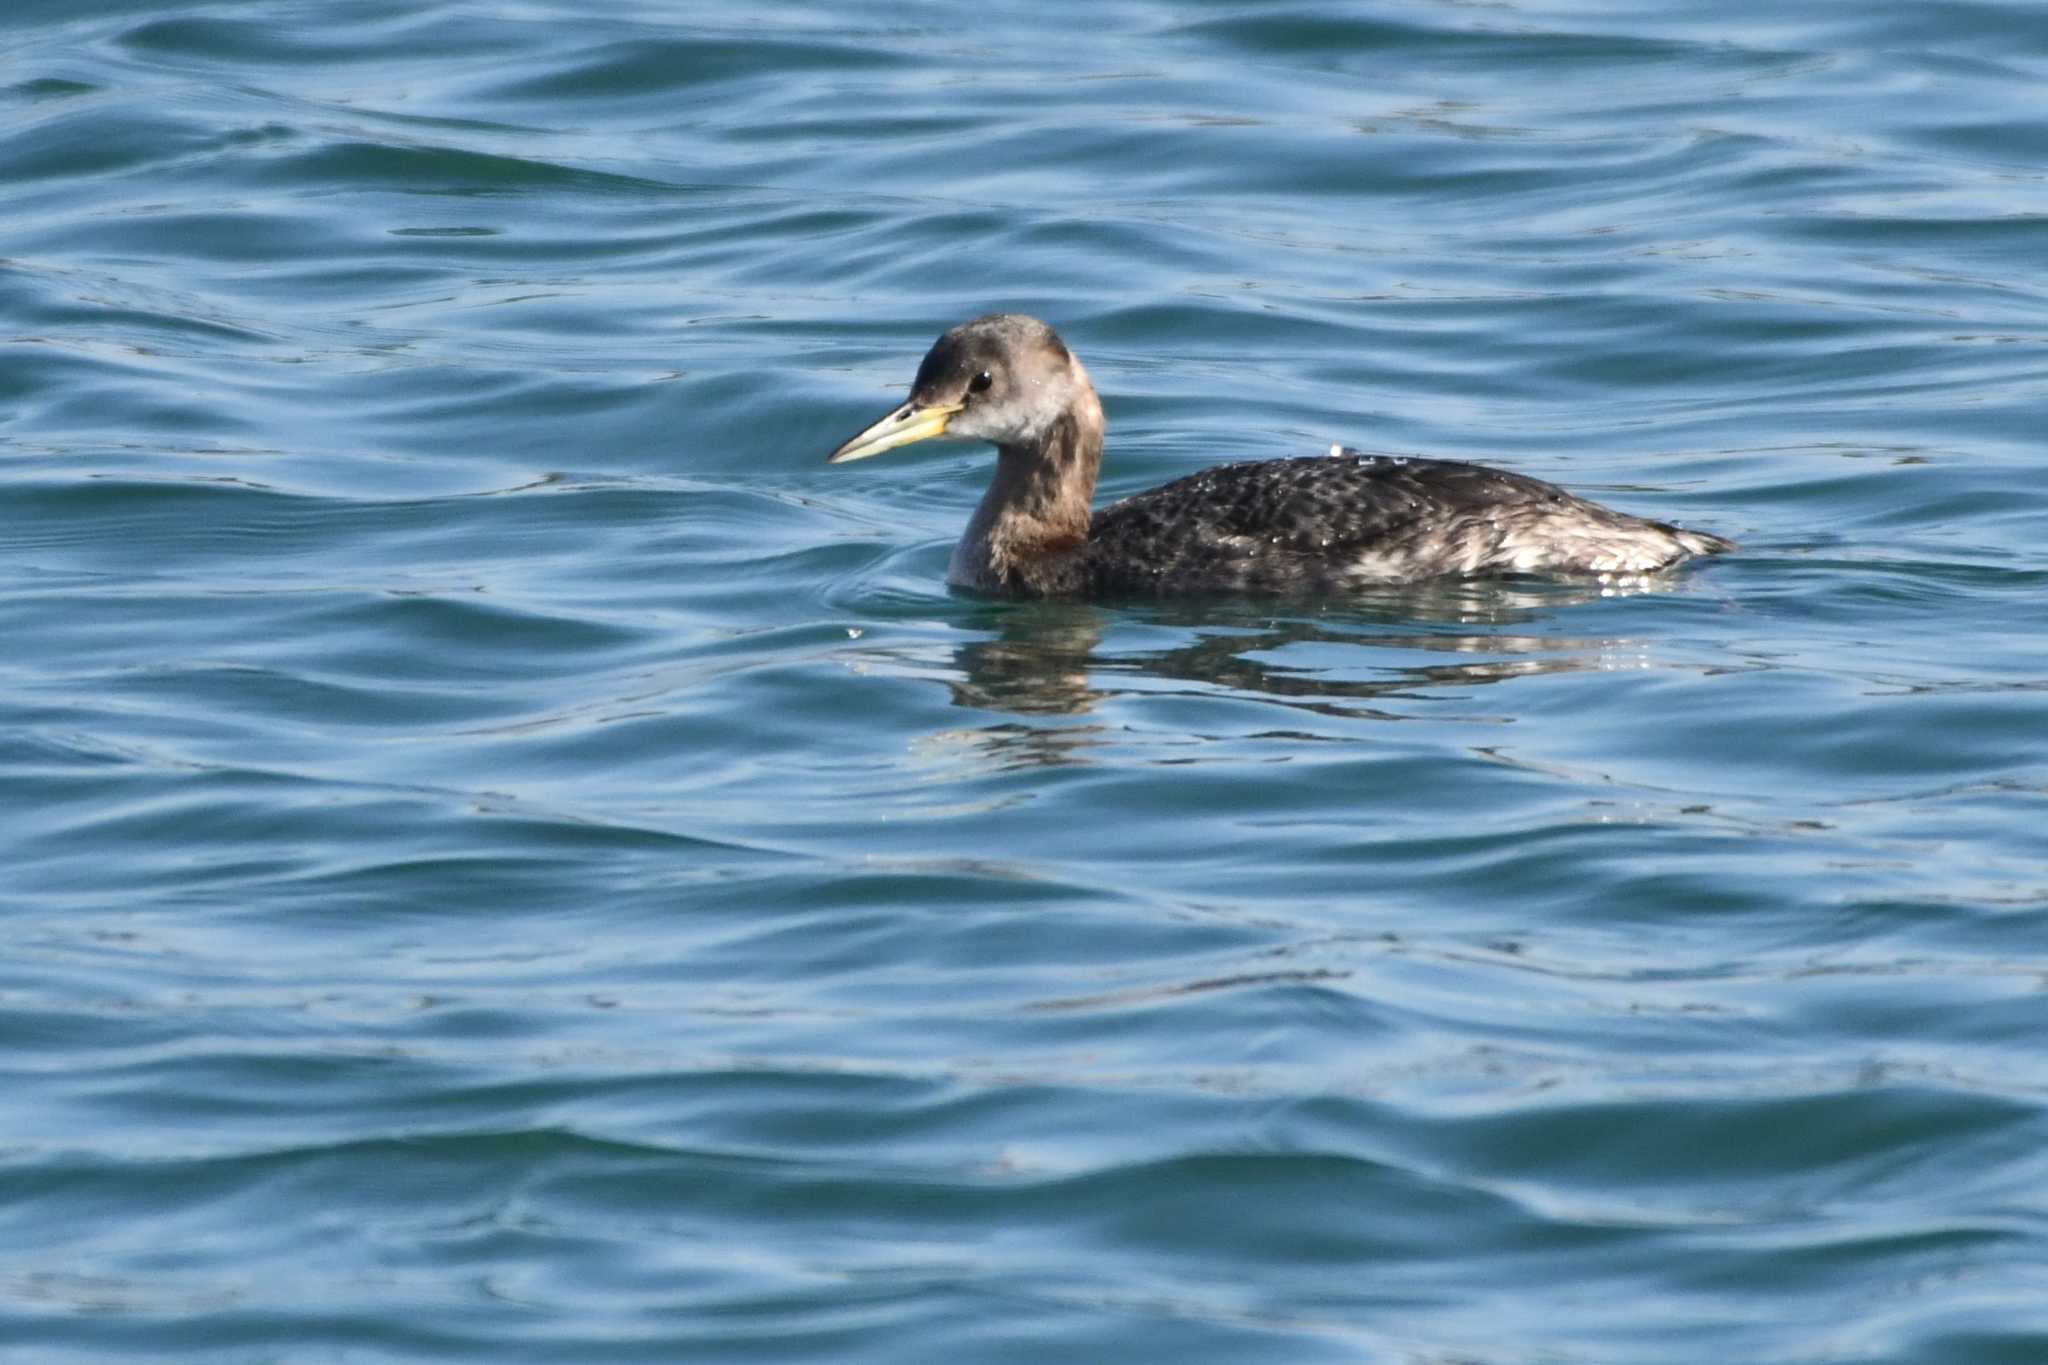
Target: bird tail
x=1699 y=542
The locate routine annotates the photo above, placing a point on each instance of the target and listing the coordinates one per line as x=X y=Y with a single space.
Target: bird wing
x=1324 y=507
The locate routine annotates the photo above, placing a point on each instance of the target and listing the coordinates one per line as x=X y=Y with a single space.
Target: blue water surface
x=505 y=856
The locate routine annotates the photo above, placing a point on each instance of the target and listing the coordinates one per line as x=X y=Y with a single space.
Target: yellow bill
x=910 y=423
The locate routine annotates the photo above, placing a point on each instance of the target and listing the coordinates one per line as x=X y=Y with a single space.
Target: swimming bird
x=1317 y=524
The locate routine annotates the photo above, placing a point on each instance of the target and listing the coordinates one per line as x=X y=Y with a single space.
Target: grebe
x=1320 y=524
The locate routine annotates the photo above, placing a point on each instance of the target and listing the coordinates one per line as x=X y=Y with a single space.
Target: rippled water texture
x=507 y=856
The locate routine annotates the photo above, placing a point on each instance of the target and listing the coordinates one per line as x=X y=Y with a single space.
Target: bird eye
x=980 y=383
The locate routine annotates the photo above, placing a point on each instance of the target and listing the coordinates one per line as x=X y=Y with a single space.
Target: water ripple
x=508 y=856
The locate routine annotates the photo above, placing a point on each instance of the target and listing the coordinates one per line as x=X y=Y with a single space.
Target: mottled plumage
x=1320 y=524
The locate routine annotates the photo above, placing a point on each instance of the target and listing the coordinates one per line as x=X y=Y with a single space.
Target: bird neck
x=1035 y=513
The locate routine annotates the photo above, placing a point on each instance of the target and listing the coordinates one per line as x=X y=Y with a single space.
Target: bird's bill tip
x=900 y=427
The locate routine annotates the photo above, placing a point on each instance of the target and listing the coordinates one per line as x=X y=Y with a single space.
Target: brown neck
x=1049 y=486
x=1036 y=507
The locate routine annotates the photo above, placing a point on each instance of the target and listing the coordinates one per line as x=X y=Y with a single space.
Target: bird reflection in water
x=1046 y=659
